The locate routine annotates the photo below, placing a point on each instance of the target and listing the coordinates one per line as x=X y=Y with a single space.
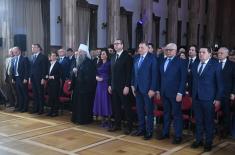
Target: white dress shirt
x=204 y=65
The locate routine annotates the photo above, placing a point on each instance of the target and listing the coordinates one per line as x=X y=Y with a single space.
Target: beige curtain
x=124 y=31
x=20 y=17
x=83 y=25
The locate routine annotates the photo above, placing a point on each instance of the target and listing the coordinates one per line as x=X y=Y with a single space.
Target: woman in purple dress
x=102 y=102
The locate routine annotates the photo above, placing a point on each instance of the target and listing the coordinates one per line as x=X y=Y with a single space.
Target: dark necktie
x=200 y=69
x=117 y=57
x=221 y=64
x=167 y=63
x=190 y=63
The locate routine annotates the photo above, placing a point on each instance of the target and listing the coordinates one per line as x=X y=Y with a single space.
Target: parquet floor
x=29 y=134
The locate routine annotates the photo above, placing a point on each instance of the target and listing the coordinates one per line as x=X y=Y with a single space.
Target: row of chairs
x=187 y=112
x=64 y=98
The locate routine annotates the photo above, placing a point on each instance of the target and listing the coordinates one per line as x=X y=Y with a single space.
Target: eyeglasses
x=116 y=43
x=169 y=49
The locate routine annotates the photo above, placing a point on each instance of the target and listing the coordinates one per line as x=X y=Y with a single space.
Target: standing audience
x=144 y=86
x=9 y=86
x=53 y=84
x=207 y=91
x=39 y=66
x=102 y=103
x=228 y=78
x=83 y=86
x=119 y=86
x=173 y=80
x=20 y=74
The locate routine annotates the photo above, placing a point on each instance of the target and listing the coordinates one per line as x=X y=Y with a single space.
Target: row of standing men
x=145 y=76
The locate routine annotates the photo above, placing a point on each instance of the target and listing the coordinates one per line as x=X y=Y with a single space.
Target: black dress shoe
x=138 y=133
x=34 y=111
x=127 y=131
x=207 y=147
x=17 y=109
x=162 y=137
x=40 y=112
x=196 y=144
x=148 y=136
x=54 y=114
x=177 y=140
x=113 y=129
x=49 y=114
x=9 y=106
x=24 y=110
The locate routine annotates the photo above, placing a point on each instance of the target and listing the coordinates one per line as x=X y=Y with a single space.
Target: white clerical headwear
x=84 y=48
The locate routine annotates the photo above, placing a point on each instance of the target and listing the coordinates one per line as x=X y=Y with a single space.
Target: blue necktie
x=200 y=69
x=34 y=57
x=61 y=59
x=221 y=64
x=15 y=64
x=140 y=61
x=166 y=63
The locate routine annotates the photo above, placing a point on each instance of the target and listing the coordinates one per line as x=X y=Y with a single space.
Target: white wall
x=183 y=14
x=55 y=28
x=129 y=5
x=102 y=18
x=160 y=9
x=133 y=6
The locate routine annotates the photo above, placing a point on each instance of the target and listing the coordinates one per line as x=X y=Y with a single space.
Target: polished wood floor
x=28 y=134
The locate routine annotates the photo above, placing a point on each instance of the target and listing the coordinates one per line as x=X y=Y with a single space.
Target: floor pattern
x=28 y=134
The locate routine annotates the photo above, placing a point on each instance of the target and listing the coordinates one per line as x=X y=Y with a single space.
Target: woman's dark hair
x=100 y=60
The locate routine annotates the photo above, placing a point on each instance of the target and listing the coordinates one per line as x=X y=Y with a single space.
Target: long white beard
x=79 y=60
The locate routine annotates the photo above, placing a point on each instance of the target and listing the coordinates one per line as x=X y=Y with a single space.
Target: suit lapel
x=19 y=63
x=143 y=63
x=162 y=65
x=53 y=68
x=226 y=66
x=207 y=67
x=169 y=64
x=113 y=61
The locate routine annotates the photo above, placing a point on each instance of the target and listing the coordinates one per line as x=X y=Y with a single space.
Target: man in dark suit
x=144 y=85
x=192 y=58
x=173 y=80
x=39 y=67
x=228 y=75
x=20 y=74
x=119 y=85
x=54 y=77
x=64 y=63
x=71 y=58
x=206 y=91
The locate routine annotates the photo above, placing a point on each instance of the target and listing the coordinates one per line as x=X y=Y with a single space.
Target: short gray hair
x=224 y=49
